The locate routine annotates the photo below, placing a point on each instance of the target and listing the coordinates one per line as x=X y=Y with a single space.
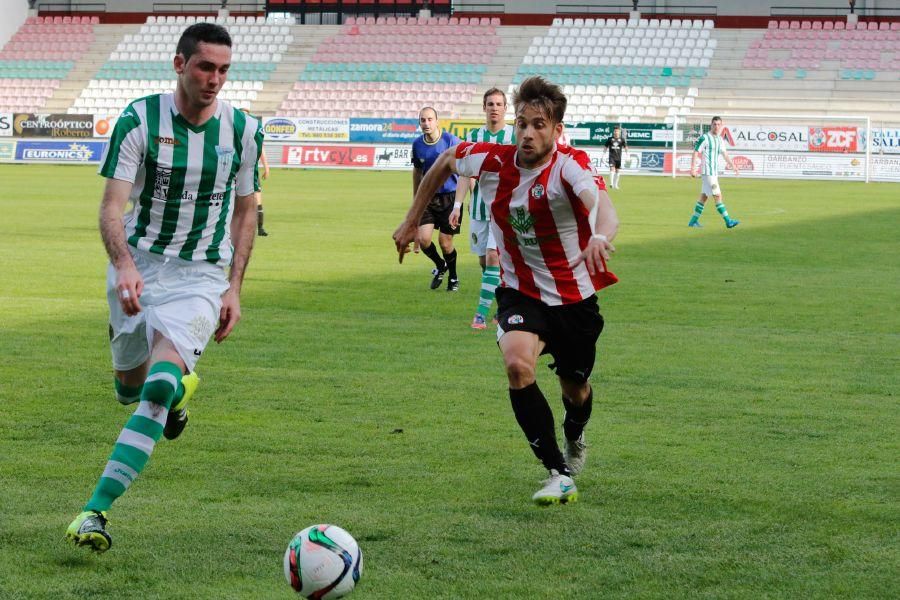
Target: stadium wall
x=761 y=150
x=757 y=8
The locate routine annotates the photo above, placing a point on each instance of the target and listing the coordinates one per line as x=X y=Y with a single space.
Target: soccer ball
x=323 y=561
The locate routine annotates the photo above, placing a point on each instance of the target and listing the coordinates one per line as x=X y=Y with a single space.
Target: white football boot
x=558 y=489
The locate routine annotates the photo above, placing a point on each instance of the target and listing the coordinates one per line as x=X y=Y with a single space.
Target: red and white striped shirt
x=539 y=222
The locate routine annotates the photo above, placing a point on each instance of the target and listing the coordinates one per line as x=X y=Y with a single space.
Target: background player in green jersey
x=495 y=131
x=187 y=161
x=707 y=149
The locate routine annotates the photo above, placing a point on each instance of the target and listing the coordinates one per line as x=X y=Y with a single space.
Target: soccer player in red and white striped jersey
x=554 y=224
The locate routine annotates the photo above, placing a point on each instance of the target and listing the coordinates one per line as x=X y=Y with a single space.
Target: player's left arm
x=604 y=225
x=265 y=165
x=243 y=231
x=731 y=164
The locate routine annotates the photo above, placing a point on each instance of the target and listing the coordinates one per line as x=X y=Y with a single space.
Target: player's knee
x=519 y=370
x=577 y=392
x=161 y=384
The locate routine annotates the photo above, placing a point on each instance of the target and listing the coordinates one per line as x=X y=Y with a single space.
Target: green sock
x=720 y=206
x=490 y=279
x=139 y=436
x=698 y=210
x=126 y=394
x=129 y=395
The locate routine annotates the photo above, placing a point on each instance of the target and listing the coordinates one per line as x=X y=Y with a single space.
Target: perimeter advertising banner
x=644 y=135
x=6 y=124
x=7 y=150
x=59 y=152
x=329 y=156
x=765 y=137
x=782 y=164
x=885 y=140
x=355 y=157
x=885 y=168
x=384 y=131
x=306 y=129
x=833 y=139
x=460 y=127
x=104 y=124
x=53 y=125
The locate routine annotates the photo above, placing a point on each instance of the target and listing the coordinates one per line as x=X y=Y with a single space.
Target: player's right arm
x=695 y=157
x=121 y=161
x=129 y=283
x=425 y=188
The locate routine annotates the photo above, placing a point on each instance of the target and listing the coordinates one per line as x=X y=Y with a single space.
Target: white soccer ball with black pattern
x=323 y=561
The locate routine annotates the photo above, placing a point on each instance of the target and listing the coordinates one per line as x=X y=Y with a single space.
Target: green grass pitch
x=744 y=442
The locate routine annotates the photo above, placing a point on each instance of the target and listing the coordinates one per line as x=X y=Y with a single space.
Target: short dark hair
x=714 y=119
x=493 y=92
x=546 y=97
x=209 y=33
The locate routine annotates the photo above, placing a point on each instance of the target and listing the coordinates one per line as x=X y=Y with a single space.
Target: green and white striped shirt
x=184 y=176
x=478 y=210
x=710 y=147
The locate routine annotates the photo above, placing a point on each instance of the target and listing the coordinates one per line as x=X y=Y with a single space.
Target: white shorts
x=181 y=300
x=711 y=185
x=481 y=237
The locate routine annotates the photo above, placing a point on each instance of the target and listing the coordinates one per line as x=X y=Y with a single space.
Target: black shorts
x=569 y=331
x=438 y=211
x=615 y=162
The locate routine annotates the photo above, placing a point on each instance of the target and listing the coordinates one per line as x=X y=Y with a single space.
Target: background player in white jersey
x=708 y=148
x=260 y=212
x=553 y=223
x=482 y=243
x=187 y=161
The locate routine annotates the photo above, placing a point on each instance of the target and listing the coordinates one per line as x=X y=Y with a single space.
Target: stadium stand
x=141 y=63
x=660 y=69
x=377 y=67
x=38 y=56
x=652 y=71
x=806 y=66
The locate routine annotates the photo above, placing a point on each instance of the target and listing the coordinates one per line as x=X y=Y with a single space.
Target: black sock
x=576 y=416
x=536 y=420
x=451 y=263
x=259 y=216
x=431 y=252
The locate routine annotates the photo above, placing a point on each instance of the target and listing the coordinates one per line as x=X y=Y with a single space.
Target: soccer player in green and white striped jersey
x=708 y=148
x=495 y=131
x=187 y=161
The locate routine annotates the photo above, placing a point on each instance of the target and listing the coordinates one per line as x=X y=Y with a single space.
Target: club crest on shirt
x=521 y=221
x=537 y=192
x=223 y=151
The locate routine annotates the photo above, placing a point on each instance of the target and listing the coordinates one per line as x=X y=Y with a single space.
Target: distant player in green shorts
x=187 y=162
x=482 y=243
x=707 y=149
